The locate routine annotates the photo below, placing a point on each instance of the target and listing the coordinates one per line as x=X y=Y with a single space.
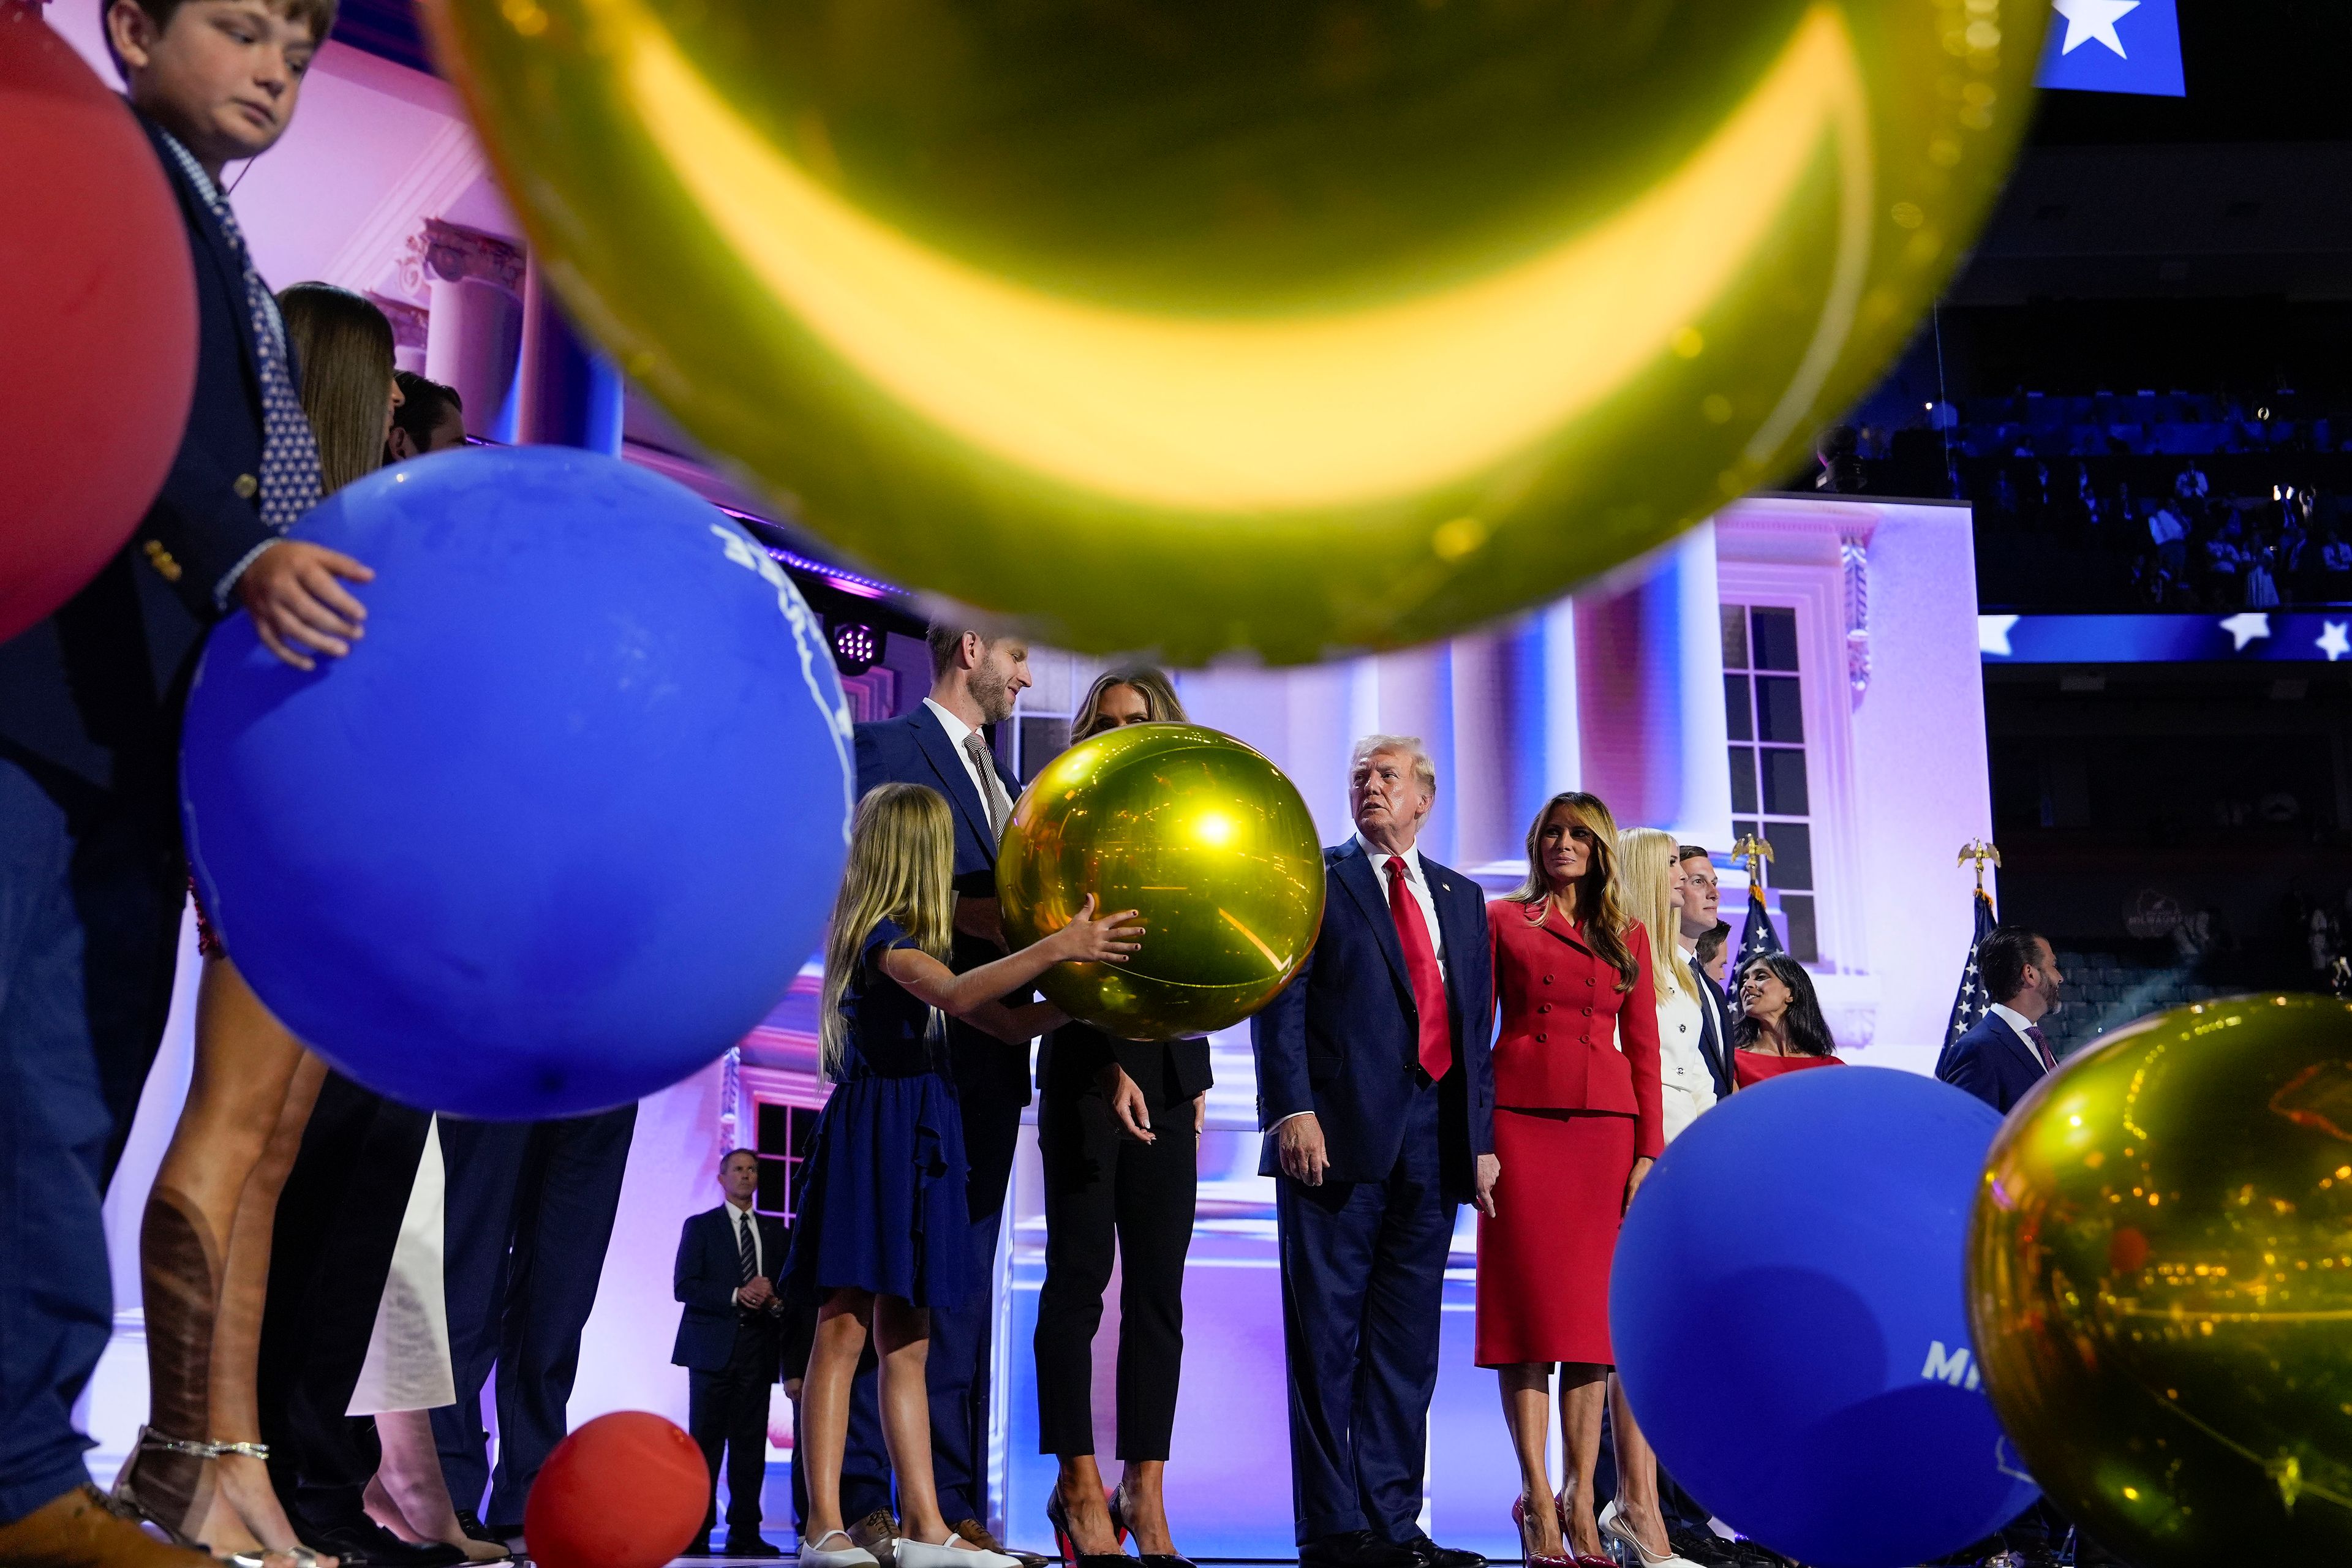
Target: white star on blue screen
x=2094 y=21
x=2332 y=640
x=2245 y=626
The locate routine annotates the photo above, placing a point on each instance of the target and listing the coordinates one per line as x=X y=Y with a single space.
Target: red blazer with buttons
x=1563 y=1019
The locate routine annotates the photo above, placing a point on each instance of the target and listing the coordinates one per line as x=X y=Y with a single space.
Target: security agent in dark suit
x=1374 y=1153
x=730 y=1341
x=2004 y=1054
x=974 y=680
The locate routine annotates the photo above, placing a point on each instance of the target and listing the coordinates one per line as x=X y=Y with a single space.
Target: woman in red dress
x=1577 y=1123
x=1780 y=1027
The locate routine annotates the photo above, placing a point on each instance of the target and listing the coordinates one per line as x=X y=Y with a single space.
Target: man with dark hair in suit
x=941 y=743
x=730 y=1340
x=1376 y=1093
x=1700 y=915
x=2004 y=1055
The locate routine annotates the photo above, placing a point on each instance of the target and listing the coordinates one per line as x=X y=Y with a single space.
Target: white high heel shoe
x=813 y=1554
x=1617 y=1530
x=914 y=1554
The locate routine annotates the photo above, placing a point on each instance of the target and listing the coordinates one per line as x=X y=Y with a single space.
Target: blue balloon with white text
x=563 y=825
x=1788 y=1314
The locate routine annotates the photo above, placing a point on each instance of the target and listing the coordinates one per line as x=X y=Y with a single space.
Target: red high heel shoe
x=1582 y=1558
x=1529 y=1558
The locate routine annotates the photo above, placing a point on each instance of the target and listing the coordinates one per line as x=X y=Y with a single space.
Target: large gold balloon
x=1202 y=836
x=2160 y=1283
x=1202 y=325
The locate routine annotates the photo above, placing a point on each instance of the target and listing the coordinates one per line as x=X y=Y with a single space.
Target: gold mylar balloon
x=1201 y=325
x=2160 y=1284
x=1200 y=834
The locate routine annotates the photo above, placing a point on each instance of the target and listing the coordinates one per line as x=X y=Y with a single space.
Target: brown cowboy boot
x=79 y=1530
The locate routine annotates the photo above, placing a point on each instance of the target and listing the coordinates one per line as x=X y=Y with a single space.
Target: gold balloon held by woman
x=1213 y=324
x=1201 y=834
x=2160 y=1283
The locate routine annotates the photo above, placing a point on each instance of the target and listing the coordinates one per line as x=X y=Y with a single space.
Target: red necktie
x=1420 y=963
x=2042 y=1048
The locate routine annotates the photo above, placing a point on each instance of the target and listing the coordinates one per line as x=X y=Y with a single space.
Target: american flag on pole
x=1758 y=937
x=1973 y=1001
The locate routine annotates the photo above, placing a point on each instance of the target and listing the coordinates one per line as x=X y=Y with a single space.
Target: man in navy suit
x=1701 y=912
x=1376 y=1093
x=940 y=743
x=91 y=881
x=2004 y=1055
x=730 y=1341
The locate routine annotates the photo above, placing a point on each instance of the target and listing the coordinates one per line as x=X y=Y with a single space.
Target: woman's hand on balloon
x=1092 y=938
x=294 y=592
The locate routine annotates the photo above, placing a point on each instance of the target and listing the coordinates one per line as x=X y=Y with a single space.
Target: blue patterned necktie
x=289 y=477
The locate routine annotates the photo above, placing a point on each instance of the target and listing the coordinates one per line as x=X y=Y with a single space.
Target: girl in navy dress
x=882 y=1230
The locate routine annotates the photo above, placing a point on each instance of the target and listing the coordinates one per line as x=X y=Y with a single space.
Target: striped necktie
x=746 y=1253
x=289 y=478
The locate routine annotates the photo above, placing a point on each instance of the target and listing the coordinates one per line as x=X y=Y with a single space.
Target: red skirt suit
x=1572 y=1111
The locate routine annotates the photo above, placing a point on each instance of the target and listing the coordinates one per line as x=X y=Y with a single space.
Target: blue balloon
x=1787 y=1310
x=567 y=820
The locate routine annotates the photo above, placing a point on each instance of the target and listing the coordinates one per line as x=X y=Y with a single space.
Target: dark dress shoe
x=755 y=1547
x=698 y=1547
x=367 y=1544
x=1355 y=1549
x=470 y=1525
x=1427 y=1553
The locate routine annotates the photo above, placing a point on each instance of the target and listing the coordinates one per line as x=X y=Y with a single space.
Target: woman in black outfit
x=1118 y=1125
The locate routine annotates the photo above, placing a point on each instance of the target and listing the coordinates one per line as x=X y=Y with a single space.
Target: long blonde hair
x=342 y=349
x=1597 y=898
x=1159 y=694
x=1645 y=875
x=901 y=868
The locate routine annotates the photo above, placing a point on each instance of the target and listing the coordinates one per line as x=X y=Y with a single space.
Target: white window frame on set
x=1793 y=561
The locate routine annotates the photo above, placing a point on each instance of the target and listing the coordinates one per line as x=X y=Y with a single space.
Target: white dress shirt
x=2020 y=1023
x=984 y=782
x=1415 y=880
x=1417 y=883
x=742 y=1221
x=1686 y=1087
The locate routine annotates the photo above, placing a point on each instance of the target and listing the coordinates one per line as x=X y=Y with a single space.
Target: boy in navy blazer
x=89 y=848
x=2004 y=1054
x=1378 y=1124
x=941 y=744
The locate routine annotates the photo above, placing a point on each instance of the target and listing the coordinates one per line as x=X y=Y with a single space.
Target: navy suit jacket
x=913 y=748
x=707 y=1272
x=96 y=689
x=1714 y=1030
x=1994 y=1063
x=1343 y=1038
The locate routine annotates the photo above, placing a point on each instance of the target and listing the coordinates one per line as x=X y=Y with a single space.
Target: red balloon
x=98 y=313
x=626 y=1491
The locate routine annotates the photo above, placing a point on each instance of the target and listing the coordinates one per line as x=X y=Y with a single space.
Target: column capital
x=408 y=322
x=441 y=251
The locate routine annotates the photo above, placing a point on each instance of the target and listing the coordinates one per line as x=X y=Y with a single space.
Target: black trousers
x=727 y=1412
x=530 y=1211
x=337 y=1222
x=1102 y=1186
